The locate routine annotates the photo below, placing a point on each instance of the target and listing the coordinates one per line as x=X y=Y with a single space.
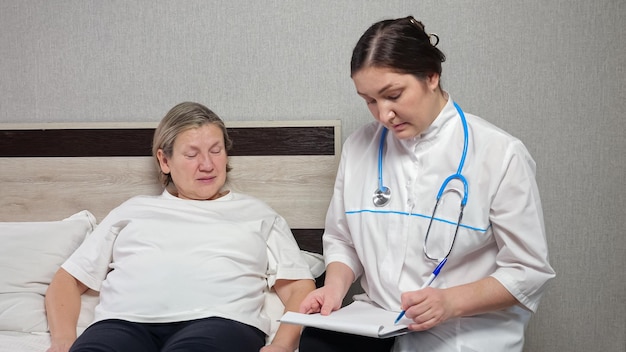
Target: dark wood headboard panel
x=91 y=142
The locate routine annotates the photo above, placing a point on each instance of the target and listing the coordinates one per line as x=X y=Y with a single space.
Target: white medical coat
x=501 y=235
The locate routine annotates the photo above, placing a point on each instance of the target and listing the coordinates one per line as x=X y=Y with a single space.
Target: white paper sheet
x=360 y=318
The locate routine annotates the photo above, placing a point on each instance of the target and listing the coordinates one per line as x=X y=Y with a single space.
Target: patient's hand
x=60 y=345
x=275 y=348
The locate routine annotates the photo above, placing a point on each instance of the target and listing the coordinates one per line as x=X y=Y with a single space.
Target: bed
x=58 y=180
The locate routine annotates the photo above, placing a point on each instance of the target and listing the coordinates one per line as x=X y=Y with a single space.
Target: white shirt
x=501 y=234
x=164 y=259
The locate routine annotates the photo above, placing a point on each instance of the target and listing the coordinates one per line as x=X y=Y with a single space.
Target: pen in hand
x=430 y=280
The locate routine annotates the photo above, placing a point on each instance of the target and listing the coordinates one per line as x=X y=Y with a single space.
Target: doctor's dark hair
x=179 y=119
x=401 y=45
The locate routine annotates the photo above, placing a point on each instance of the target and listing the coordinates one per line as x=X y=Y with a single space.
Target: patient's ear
x=163 y=161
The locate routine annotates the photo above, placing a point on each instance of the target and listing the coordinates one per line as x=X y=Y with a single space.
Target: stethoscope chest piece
x=382 y=196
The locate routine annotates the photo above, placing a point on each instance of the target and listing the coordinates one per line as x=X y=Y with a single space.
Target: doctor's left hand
x=427 y=308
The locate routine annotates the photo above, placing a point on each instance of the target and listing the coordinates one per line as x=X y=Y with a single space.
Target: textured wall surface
x=551 y=73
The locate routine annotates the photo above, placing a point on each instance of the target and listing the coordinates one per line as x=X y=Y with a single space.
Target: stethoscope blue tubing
x=456 y=175
x=417 y=215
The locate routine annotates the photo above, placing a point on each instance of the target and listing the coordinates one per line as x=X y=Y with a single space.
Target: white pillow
x=30 y=254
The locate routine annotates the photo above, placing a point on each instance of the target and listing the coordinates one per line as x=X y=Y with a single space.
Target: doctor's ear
x=432 y=81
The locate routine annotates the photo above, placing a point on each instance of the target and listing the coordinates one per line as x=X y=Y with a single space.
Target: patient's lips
x=206 y=179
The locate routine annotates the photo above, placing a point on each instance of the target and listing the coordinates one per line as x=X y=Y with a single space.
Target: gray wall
x=551 y=72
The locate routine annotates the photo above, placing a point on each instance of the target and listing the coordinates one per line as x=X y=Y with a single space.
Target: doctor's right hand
x=324 y=300
x=328 y=298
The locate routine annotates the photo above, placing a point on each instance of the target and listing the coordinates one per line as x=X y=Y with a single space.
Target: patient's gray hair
x=179 y=119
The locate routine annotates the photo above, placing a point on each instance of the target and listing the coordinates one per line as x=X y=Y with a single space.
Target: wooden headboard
x=51 y=171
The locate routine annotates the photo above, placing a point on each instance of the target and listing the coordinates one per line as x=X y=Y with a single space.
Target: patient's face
x=198 y=163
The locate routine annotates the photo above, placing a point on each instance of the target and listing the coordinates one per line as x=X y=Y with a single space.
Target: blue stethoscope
x=382 y=195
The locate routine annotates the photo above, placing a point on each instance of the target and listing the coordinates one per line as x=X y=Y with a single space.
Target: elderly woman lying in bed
x=185 y=270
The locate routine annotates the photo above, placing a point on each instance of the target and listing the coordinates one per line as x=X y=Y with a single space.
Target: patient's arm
x=291 y=293
x=62 y=309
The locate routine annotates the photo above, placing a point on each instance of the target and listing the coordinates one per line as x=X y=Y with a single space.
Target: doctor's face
x=404 y=104
x=198 y=163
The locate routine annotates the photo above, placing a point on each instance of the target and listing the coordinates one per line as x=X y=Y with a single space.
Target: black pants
x=317 y=340
x=207 y=335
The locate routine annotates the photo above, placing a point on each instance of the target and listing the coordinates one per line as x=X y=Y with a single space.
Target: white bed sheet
x=11 y=341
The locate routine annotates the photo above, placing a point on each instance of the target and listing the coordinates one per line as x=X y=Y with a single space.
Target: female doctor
x=424 y=185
